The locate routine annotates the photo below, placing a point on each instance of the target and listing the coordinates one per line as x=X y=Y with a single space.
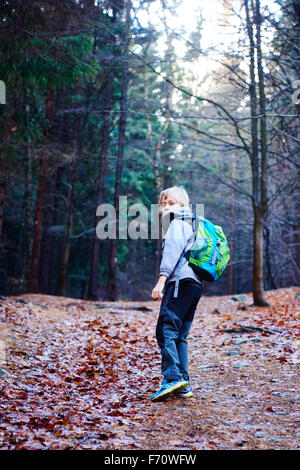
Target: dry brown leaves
x=78 y=375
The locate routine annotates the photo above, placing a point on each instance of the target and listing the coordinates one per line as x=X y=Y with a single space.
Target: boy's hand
x=157 y=291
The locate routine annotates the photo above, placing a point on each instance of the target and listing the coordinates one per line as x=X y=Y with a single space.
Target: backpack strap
x=195 y=224
x=184 y=255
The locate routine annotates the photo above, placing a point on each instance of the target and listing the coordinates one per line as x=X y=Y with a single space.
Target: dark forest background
x=96 y=109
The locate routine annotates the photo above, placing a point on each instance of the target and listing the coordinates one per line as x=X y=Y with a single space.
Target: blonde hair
x=178 y=192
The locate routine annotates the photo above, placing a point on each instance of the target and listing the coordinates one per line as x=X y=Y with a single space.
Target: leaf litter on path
x=76 y=376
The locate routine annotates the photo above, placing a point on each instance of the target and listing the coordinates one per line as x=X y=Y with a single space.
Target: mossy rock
x=239 y=297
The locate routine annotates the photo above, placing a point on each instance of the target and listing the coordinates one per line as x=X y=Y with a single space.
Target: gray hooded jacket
x=177 y=235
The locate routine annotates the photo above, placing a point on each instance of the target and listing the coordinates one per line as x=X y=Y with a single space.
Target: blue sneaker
x=168 y=388
x=186 y=392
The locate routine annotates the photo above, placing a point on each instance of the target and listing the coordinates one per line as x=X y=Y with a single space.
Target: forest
x=101 y=99
x=104 y=104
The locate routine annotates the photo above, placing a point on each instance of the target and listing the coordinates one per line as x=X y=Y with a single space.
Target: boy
x=180 y=290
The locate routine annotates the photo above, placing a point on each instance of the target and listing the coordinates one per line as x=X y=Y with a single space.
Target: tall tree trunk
x=64 y=260
x=53 y=238
x=33 y=280
x=4 y=155
x=46 y=246
x=158 y=187
x=156 y=152
x=112 y=270
x=161 y=177
x=27 y=210
x=258 y=268
x=92 y=292
x=270 y=278
x=258 y=292
x=230 y=287
x=297 y=233
x=258 y=174
x=66 y=245
x=2 y=195
x=93 y=280
x=296 y=8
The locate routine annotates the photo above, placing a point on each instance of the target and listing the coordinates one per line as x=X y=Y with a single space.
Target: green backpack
x=210 y=253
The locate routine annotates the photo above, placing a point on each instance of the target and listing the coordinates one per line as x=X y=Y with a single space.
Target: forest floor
x=78 y=374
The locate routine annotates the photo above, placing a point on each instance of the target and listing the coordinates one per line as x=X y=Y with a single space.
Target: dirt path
x=78 y=375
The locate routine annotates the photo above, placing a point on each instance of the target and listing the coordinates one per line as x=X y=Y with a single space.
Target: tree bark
x=93 y=280
x=296 y=8
x=65 y=254
x=259 y=185
x=2 y=196
x=258 y=291
x=112 y=269
x=33 y=280
x=230 y=287
x=270 y=278
x=53 y=238
x=27 y=210
x=46 y=258
x=258 y=268
x=66 y=245
x=4 y=155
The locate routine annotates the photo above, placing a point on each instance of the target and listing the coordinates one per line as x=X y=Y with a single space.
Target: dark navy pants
x=174 y=322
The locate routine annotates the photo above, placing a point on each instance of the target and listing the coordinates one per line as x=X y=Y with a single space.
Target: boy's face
x=169 y=202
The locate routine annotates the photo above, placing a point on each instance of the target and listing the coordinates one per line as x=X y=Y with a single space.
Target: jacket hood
x=184 y=212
